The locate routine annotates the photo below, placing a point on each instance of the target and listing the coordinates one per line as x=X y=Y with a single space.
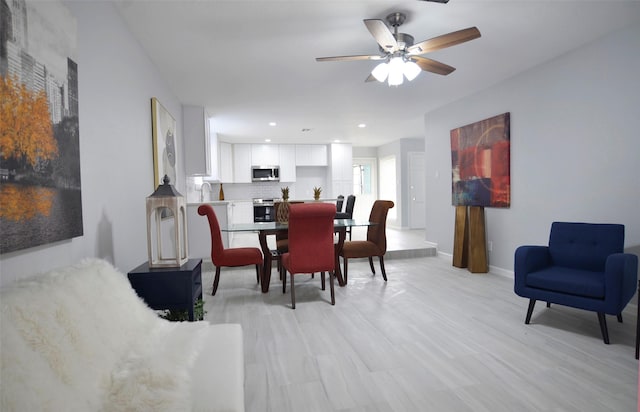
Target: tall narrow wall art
x=40 y=190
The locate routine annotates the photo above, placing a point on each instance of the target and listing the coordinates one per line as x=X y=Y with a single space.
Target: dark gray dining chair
x=348 y=211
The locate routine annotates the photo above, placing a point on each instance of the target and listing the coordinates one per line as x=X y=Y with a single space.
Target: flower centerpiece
x=316 y=193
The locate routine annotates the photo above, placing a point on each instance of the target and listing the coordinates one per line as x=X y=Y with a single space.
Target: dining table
x=265 y=229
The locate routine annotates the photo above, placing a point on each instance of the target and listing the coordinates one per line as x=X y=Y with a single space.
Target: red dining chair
x=311 y=246
x=229 y=257
x=376 y=243
x=282 y=238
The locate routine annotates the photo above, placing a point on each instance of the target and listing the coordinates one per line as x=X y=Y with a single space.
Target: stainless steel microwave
x=265 y=173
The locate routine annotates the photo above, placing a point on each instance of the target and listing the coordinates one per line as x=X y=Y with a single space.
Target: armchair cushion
x=568 y=280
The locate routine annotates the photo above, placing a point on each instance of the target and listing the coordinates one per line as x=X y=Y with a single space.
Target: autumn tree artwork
x=40 y=188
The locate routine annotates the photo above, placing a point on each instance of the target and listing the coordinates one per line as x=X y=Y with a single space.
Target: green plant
x=179 y=315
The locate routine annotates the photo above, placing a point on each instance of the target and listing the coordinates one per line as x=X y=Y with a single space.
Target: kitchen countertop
x=226 y=202
x=209 y=202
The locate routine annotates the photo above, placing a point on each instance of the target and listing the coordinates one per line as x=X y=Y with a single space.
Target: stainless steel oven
x=263 y=210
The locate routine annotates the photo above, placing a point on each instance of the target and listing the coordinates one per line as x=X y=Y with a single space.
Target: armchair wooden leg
x=293 y=294
x=371 y=265
x=532 y=303
x=603 y=327
x=215 y=281
x=620 y=317
x=322 y=280
x=258 y=273
x=548 y=304
x=384 y=273
x=333 y=295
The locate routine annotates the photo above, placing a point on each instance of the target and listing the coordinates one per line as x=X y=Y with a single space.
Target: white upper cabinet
x=242 y=163
x=341 y=162
x=200 y=143
x=226 y=162
x=265 y=155
x=287 y=162
x=311 y=155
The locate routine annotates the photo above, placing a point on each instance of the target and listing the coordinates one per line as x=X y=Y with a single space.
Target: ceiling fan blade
x=370 y=79
x=433 y=66
x=382 y=34
x=446 y=40
x=349 y=58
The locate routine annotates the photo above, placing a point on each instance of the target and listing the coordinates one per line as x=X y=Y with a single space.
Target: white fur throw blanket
x=80 y=339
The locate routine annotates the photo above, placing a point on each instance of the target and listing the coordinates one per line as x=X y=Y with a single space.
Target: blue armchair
x=583 y=267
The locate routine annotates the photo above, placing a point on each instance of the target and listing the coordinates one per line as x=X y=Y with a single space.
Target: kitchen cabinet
x=265 y=155
x=287 y=162
x=341 y=169
x=226 y=162
x=196 y=141
x=242 y=163
x=311 y=155
x=200 y=142
x=241 y=211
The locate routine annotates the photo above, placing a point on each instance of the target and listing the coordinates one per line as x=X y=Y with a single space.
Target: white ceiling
x=253 y=62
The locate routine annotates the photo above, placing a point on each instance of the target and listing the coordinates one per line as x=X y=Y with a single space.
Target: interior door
x=417 y=196
x=364 y=186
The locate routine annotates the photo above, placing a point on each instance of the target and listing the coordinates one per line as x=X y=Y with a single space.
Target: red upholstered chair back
x=282 y=235
x=377 y=233
x=217 y=247
x=311 y=238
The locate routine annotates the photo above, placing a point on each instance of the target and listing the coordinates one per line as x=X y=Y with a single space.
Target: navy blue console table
x=169 y=288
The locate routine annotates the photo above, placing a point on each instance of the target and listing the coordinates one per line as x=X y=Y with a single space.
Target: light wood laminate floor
x=432 y=338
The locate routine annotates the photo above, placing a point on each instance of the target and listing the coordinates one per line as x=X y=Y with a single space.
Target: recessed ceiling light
x=272 y=123
x=336 y=141
x=362 y=125
x=267 y=140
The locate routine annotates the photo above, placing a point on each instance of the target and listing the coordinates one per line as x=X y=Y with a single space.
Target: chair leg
x=548 y=304
x=384 y=274
x=293 y=294
x=371 y=265
x=258 y=274
x=532 y=303
x=215 y=281
x=283 y=276
x=603 y=327
x=333 y=295
x=345 y=270
x=620 y=317
x=322 y=280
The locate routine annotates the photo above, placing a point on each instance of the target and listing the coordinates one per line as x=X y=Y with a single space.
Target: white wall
x=575 y=147
x=116 y=83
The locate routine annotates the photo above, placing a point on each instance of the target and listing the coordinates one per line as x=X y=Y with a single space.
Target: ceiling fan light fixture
x=396 y=72
x=380 y=72
x=411 y=70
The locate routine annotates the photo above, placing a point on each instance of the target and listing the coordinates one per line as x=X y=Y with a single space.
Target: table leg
x=266 y=269
x=338 y=248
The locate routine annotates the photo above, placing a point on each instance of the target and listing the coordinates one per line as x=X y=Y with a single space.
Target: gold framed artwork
x=163 y=129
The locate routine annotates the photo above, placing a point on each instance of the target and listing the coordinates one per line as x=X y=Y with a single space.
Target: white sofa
x=80 y=339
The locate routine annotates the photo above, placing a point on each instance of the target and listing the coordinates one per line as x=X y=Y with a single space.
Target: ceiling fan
x=401 y=57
